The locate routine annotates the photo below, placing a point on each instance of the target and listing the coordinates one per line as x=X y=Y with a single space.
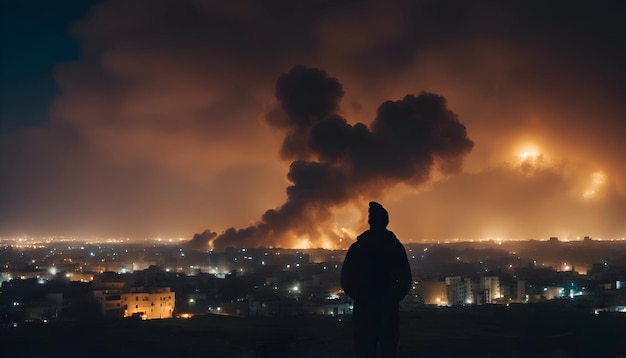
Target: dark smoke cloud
x=201 y=241
x=306 y=97
x=155 y=130
x=336 y=162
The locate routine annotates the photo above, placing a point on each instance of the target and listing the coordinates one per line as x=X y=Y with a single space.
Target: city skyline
x=155 y=119
x=117 y=295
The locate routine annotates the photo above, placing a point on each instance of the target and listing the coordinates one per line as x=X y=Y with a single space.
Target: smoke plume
x=335 y=162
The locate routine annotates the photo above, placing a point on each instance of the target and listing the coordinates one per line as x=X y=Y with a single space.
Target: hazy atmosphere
x=273 y=123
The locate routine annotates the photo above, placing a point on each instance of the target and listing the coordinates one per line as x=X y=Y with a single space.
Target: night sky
x=274 y=122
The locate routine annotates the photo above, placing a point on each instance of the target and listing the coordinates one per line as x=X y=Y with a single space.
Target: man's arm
x=403 y=278
x=348 y=274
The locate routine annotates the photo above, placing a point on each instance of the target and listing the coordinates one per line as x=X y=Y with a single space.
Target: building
x=472 y=291
x=142 y=302
x=455 y=290
x=512 y=290
x=490 y=288
x=108 y=296
x=149 y=303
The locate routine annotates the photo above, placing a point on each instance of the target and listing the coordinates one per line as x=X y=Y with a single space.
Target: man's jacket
x=376 y=270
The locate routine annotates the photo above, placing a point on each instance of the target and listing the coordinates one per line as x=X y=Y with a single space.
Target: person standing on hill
x=377 y=275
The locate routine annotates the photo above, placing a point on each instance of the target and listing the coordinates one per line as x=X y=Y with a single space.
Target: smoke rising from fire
x=335 y=162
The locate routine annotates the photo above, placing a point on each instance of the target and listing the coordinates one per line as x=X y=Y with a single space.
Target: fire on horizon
x=258 y=123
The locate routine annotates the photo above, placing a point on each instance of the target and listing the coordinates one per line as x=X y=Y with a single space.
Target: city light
x=310 y=276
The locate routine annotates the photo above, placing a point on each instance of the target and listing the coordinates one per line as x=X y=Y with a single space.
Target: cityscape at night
x=65 y=282
x=277 y=178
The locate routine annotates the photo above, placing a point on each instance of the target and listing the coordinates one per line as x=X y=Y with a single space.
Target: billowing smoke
x=201 y=241
x=335 y=162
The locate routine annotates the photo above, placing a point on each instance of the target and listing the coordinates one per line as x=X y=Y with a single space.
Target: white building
x=490 y=286
x=146 y=303
x=455 y=290
x=153 y=303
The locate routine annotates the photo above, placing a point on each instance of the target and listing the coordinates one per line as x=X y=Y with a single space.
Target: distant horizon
x=52 y=239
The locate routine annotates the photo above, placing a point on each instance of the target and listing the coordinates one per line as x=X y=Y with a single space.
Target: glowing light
x=303 y=244
x=528 y=151
x=325 y=243
x=525 y=155
x=597 y=180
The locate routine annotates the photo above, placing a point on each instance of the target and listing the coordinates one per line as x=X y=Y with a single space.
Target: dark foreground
x=524 y=331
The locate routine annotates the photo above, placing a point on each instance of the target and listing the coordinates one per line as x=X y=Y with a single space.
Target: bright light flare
x=303 y=244
x=325 y=243
x=528 y=154
x=527 y=150
x=528 y=158
x=597 y=181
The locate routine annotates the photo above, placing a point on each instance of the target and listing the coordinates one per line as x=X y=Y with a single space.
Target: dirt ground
x=498 y=331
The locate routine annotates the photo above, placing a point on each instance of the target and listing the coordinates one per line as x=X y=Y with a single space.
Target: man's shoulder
x=374 y=233
x=377 y=239
x=355 y=245
x=364 y=234
x=393 y=243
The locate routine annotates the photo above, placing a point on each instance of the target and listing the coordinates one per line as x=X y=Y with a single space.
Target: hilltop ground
x=497 y=331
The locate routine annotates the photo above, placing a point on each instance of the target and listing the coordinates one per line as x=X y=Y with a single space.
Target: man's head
x=378 y=217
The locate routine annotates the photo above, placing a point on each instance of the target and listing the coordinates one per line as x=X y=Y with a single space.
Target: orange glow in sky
x=162 y=126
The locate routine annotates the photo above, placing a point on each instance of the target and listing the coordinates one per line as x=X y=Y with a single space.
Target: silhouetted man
x=376 y=274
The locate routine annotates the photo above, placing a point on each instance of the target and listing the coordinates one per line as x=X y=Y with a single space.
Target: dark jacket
x=376 y=270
